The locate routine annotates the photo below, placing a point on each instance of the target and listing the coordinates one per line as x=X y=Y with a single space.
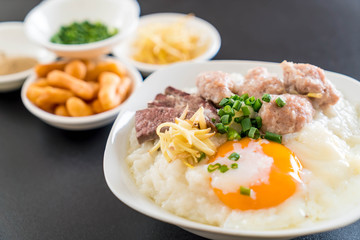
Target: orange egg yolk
x=282 y=180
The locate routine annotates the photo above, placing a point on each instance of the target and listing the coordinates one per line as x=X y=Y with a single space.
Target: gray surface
x=51 y=181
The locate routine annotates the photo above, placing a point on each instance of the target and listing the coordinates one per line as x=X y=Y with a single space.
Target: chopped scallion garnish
x=246 y=124
x=257 y=105
x=245 y=191
x=234 y=156
x=250 y=101
x=234 y=166
x=226 y=119
x=237 y=105
x=254 y=133
x=280 y=102
x=202 y=156
x=245 y=110
x=224 y=101
x=213 y=167
x=244 y=96
x=223 y=168
x=233 y=135
x=266 y=97
x=258 y=120
x=221 y=128
x=273 y=137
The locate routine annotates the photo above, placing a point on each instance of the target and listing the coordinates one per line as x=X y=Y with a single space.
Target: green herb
x=254 y=133
x=223 y=168
x=245 y=191
x=202 y=156
x=244 y=96
x=82 y=32
x=257 y=105
x=221 y=128
x=273 y=137
x=234 y=166
x=237 y=105
x=258 y=121
x=280 y=102
x=233 y=135
x=213 y=167
x=266 y=97
x=224 y=101
x=250 y=101
x=226 y=119
x=246 y=124
x=234 y=156
x=245 y=110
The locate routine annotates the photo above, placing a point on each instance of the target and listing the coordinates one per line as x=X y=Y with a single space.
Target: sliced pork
x=215 y=85
x=166 y=107
x=259 y=81
x=306 y=78
x=287 y=119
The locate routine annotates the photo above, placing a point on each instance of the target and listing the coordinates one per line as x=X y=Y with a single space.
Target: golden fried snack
x=108 y=96
x=124 y=88
x=42 y=70
x=52 y=95
x=34 y=92
x=79 y=87
x=96 y=106
x=76 y=68
x=113 y=67
x=41 y=82
x=76 y=107
x=61 y=111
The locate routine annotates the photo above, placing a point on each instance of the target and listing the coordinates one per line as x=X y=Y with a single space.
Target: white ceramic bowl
x=125 y=50
x=121 y=183
x=14 y=43
x=78 y=123
x=45 y=20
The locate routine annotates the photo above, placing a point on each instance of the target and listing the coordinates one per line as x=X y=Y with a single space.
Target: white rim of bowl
x=86 y=46
x=38 y=112
x=213 y=49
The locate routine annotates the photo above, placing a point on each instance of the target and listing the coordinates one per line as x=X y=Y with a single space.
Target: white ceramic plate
x=79 y=123
x=43 y=21
x=14 y=43
x=125 y=50
x=182 y=76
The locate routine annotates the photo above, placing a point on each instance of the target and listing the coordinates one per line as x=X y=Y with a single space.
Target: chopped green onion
x=224 y=101
x=202 y=156
x=226 y=119
x=234 y=166
x=221 y=112
x=245 y=191
x=221 y=128
x=280 y=102
x=254 y=133
x=238 y=119
x=213 y=120
x=257 y=105
x=250 y=101
x=233 y=135
x=258 y=120
x=266 y=97
x=237 y=105
x=212 y=167
x=244 y=96
x=273 y=137
x=246 y=124
x=234 y=156
x=245 y=110
x=229 y=110
x=235 y=97
x=223 y=168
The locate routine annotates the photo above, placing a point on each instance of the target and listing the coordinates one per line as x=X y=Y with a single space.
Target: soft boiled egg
x=267 y=173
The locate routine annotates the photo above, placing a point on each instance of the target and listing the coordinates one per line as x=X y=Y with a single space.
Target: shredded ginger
x=168 y=43
x=186 y=139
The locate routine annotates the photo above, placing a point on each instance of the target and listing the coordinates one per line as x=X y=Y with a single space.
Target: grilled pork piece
x=287 y=119
x=215 y=85
x=259 y=81
x=306 y=78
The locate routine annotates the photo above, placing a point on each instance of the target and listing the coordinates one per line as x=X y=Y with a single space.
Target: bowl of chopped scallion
x=81 y=28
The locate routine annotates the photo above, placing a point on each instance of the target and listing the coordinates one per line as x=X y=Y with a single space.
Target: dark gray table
x=51 y=181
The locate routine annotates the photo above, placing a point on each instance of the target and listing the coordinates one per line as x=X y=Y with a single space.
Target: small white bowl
x=14 y=43
x=78 y=123
x=181 y=76
x=43 y=21
x=125 y=50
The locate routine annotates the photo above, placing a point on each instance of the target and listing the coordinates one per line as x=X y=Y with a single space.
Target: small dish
x=79 y=123
x=181 y=76
x=125 y=50
x=13 y=43
x=43 y=21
